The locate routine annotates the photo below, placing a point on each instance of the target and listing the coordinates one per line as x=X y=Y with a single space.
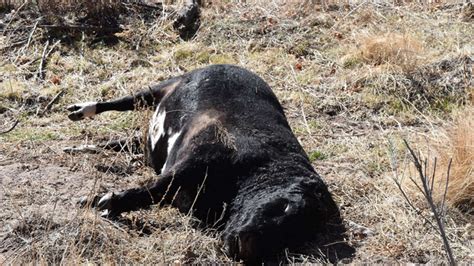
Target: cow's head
x=268 y=220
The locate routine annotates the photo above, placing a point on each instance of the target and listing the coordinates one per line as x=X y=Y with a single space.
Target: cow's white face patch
x=156 y=130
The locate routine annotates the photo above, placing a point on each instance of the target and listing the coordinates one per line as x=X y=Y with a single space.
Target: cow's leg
x=112 y=204
x=149 y=97
x=161 y=191
x=131 y=145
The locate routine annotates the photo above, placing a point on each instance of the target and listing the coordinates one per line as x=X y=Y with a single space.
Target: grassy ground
x=354 y=81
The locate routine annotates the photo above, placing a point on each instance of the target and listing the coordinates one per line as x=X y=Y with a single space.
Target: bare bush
x=426 y=175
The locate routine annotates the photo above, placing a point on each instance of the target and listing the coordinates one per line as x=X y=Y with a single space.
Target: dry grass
x=449 y=152
x=341 y=113
x=391 y=50
x=456 y=143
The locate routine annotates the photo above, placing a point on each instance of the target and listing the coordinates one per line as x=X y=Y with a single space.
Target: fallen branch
x=13 y=45
x=188 y=20
x=31 y=34
x=159 y=6
x=13 y=17
x=11 y=128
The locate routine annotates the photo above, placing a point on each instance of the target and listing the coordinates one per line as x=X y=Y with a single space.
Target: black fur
x=245 y=163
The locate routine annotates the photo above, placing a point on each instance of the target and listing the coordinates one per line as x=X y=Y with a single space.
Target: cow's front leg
x=113 y=204
x=146 y=98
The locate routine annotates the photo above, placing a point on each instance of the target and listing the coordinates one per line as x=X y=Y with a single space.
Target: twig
x=433 y=176
x=115 y=225
x=198 y=193
x=158 y=6
x=11 y=128
x=14 y=15
x=305 y=120
x=43 y=55
x=13 y=45
x=428 y=196
x=399 y=185
x=417 y=186
x=53 y=101
x=446 y=187
x=31 y=34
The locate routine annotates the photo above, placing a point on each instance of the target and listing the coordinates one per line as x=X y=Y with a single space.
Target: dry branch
x=427 y=193
x=11 y=128
x=188 y=20
x=44 y=57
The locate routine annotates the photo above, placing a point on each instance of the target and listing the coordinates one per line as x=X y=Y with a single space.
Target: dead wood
x=188 y=20
x=11 y=128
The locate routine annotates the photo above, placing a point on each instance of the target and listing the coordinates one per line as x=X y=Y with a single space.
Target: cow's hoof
x=82 y=110
x=103 y=203
x=86 y=201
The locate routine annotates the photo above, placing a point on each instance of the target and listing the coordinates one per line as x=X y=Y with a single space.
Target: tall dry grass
x=391 y=50
x=457 y=144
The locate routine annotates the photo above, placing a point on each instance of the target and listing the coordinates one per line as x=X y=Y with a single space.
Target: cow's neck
x=277 y=171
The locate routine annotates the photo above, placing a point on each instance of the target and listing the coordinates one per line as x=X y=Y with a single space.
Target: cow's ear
x=313 y=188
x=310 y=184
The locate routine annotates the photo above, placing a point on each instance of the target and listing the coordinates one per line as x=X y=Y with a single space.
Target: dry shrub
x=398 y=50
x=458 y=144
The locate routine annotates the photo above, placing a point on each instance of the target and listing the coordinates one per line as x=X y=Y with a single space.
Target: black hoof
x=104 y=203
x=72 y=108
x=76 y=116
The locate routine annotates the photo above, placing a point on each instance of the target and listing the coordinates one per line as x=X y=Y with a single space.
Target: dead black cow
x=221 y=146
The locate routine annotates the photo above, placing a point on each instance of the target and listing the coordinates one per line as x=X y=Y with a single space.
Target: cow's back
x=245 y=106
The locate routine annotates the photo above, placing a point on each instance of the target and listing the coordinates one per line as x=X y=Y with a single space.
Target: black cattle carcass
x=221 y=146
